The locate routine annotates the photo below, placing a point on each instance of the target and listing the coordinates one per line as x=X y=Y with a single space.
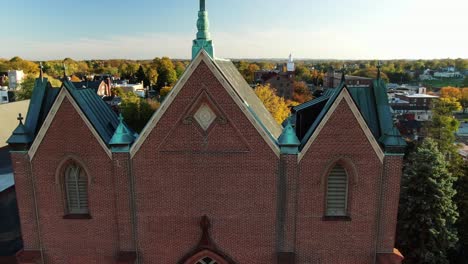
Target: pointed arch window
x=76 y=189
x=207 y=260
x=337 y=192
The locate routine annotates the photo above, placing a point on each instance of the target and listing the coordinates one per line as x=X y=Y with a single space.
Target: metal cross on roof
x=41 y=72
x=64 y=70
x=20 y=118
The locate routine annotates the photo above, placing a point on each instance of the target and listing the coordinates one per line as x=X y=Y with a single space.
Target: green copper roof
x=21 y=134
x=122 y=138
x=372 y=103
x=203 y=40
x=288 y=141
x=101 y=116
x=42 y=99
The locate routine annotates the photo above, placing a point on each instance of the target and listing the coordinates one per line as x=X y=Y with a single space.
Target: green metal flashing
x=390 y=136
x=288 y=141
x=324 y=111
x=122 y=138
x=203 y=40
x=21 y=135
x=99 y=114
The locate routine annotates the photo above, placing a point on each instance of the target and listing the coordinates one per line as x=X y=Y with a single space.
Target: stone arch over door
x=206 y=252
x=206 y=257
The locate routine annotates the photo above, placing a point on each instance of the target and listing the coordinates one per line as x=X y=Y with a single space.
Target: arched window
x=207 y=260
x=76 y=189
x=337 y=192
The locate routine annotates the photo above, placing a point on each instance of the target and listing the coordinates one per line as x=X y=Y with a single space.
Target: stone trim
x=344 y=95
x=202 y=56
x=50 y=117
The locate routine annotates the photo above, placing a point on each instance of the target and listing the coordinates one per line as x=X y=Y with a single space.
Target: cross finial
x=64 y=70
x=20 y=118
x=343 y=73
x=41 y=70
x=379 y=66
x=121 y=119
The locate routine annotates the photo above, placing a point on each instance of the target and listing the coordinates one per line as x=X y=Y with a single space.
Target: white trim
x=50 y=117
x=357 y=114
x=202 y=56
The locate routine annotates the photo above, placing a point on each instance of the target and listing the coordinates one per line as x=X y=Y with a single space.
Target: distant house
x=419 y=105
x=102 y=88
x=281 y=79
x=14 y=79
x=333 y=79
x=3 y=78
x=4 y=95
x=136 y=88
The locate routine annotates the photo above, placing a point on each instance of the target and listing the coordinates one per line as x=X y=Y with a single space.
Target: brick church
x=212 y=179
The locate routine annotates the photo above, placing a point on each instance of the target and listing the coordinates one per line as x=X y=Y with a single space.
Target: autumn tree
x=137 y=111
x=464 y=99
x=166 y=70
x=427 y=213
x=301 y=92
x=276 y=105
x=447 y=92
x=443 y=126
x=26 y=89
x=180 y=68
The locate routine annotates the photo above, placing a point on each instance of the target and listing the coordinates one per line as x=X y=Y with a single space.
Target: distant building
x=281 y=79
x=333 y=79
x=3 y=78
x=4 y=95
x=14 y=79
x=136 y=88
x=419 y=104
x=102 y=88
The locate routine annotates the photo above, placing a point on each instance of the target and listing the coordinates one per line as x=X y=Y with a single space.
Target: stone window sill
x=343 y=218
x=77 y=216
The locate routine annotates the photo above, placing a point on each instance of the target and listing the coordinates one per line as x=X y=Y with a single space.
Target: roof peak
x=203 y=40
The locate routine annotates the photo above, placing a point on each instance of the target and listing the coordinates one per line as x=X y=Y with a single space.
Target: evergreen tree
x=141 y=76
x=462 y=203
x=427 y=213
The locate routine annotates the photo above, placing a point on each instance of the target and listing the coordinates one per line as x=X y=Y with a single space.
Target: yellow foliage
x=165 y=91
x=276 y=105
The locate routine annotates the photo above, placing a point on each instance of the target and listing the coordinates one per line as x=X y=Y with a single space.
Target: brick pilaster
x=123 y=202
x=389 y=203
x=286 y=209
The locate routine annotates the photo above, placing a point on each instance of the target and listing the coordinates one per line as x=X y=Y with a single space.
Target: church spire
x=203 y=40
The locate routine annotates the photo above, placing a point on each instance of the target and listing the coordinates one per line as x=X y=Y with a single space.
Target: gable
x=240 y=99
x=344 y=98
x=64 y=95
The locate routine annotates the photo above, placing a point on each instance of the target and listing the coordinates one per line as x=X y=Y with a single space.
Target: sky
x=309 y=29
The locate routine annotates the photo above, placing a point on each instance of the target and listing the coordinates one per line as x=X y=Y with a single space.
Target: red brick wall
x=347 y=242
x=74 y=241
x=390 y=201
x=235 y=189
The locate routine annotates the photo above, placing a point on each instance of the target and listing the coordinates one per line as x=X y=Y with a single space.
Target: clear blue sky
x=139 y=29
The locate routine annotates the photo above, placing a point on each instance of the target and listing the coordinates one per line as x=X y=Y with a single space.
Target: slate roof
x=247 y=95
x=42 y=99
